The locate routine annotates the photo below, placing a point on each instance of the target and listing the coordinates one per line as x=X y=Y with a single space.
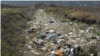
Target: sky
x=19 y=1
x=58 y=2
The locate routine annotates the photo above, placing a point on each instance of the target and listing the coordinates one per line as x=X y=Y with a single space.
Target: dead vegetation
x=75 y=14
x=38 y=6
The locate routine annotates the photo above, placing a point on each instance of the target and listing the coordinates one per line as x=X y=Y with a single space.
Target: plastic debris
x=70 y=33
x=29 y=47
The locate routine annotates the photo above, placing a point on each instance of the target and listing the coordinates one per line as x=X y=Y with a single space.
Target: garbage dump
x=59 y=38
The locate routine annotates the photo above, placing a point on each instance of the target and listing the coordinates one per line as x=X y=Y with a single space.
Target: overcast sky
x=68 y=2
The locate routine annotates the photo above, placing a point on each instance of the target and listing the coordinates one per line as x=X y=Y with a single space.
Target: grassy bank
x=9 y=10
x=13 y=23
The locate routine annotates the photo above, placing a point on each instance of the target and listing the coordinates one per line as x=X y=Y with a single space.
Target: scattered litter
x=49 y=37
x=81 y=31
x=31 y=31
x=98 y=38
x=29 y=47
x=30 y=42
x=51 y=21
x=51 y=43
x=40 y=35
x=34 y=52
x=91 y=54
x=58 y=38
x=71 y=23
x=70 y=33
x=58 y=34
x=44 y=48
x=51 y=31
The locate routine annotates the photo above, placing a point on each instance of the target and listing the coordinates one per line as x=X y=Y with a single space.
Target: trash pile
x=58 y=38
x=58 y=45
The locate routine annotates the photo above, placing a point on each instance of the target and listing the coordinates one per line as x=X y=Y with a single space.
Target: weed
x=98 y=34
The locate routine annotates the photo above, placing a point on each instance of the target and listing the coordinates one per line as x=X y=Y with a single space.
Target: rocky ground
x=70 y=33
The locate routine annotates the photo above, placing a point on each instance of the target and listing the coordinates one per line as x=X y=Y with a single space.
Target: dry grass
x=52 y=9
x=76 y=14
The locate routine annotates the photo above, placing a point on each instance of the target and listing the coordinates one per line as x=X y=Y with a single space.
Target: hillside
x=13 y=23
